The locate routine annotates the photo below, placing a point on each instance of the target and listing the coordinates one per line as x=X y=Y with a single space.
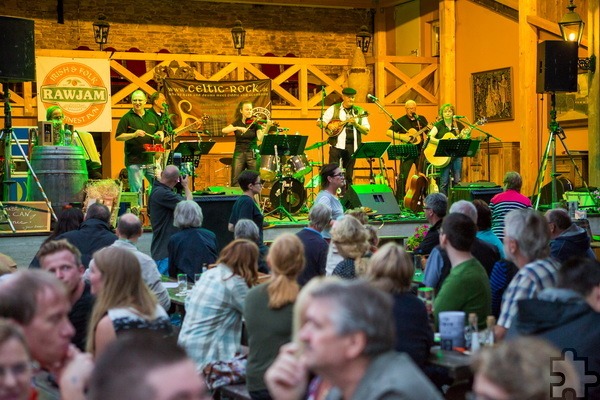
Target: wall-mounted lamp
x=571 y=28
x=101 y=28
x=238 y=34
x=363 y=38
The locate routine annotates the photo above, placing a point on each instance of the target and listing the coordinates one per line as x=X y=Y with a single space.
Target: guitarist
x=347 y=141
x=448 y=123
x=400 y=127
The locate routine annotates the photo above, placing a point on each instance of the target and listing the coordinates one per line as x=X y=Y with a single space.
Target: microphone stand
x=323 y=95
x=487 y=140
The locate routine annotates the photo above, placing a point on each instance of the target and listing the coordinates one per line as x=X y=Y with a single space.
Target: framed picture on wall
x=492 y=94
x=572 y=108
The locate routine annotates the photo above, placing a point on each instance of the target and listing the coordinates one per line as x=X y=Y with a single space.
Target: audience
x=15 y=364
x=193 y=246
x=69 y=219
x=247 y=229
x=315 y=246
x=268 y=311
x=93 y=234
x=484 y=226
x=161 y=205
x=123 y=301
x=511 y=199
x=435 y=207
x=245 y=206
x=129 y=231
x=567 y=239
x=391 y=270
x=568 y=316
x=438 y=264
x=467 y=287
x=145 y=367
x=347 y=339
x=526 y=238
x=212 y=327
x=351 y=240
x=522 y=369
x=62 y=259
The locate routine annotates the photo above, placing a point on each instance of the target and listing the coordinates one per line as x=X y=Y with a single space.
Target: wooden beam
x=509 y=11
x=344 y=4
x=447 y=51
x=593 y=31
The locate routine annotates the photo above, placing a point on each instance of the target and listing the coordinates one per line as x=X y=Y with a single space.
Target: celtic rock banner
x=81 y=87
x=209 y=106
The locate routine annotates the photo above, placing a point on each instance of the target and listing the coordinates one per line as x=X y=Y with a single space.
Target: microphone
x=415 y=115
x=372 y=98
x=459 y=116
x=323 y=90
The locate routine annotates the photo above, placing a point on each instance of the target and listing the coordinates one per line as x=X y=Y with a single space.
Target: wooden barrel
x=62 y=173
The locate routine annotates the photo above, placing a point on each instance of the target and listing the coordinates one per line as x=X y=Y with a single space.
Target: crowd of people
x=337 y=317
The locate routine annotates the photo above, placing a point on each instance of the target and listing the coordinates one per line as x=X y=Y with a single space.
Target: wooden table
x=456 y=363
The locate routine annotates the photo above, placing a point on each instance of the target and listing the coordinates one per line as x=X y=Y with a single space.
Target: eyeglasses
x=257 y=183
x=58 y=117
x=340 y=174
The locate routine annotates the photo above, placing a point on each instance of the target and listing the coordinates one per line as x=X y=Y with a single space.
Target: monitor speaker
x=379 y=198
x=557 y=66
x=17 y=50
x=216 y=211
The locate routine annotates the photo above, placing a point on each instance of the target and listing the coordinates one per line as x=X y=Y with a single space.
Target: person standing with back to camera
x=248 y=133
x=353 y=123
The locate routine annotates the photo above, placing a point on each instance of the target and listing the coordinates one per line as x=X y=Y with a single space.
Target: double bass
x=416 y=193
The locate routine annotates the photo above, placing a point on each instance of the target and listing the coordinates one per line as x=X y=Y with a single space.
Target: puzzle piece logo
x=561 y=389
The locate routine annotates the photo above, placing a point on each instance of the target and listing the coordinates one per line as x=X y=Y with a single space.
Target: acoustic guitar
x=336 y=126
x=416 y=192
x=441 y=161
x=413 y=136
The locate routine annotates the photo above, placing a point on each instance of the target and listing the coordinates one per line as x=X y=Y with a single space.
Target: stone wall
x=194 y=26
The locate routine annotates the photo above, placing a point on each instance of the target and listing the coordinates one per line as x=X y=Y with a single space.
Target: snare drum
x=299 y=165
x=268 y=168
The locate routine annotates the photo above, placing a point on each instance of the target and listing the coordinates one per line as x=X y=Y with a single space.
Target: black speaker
x=379 y=198
x=557 y=66
x=17 y=50
x=216 y=211
x=472 y=191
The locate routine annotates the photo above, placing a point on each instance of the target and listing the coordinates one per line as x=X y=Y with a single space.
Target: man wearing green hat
x=345 y=123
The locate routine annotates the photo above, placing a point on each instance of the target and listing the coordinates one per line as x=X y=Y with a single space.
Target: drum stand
x=555 y=132
x=285 y=191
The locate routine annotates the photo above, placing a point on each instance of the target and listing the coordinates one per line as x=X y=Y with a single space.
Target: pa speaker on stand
x=556 y=66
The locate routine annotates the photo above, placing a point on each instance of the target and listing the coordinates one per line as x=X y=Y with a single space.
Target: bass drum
x=289 y=193
x=268 y=168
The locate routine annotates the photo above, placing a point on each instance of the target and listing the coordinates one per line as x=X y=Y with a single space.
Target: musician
x=248 y=132
x=448 y=123
x=347 y=141
x=159 y=110
x=398 y=131
x=136 y=128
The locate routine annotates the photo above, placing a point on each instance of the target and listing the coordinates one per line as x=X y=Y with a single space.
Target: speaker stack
x=556 y=66
x=17 y=50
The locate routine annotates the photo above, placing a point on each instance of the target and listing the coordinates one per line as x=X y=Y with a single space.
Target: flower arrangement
x=415 y=240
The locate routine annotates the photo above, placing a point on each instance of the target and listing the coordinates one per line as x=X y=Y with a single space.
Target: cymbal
x=226 y=160
x=316 y=145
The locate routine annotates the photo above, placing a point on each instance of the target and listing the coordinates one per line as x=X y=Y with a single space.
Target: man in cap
x=345 y=123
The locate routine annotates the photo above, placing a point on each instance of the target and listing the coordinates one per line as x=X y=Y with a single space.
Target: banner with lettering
x=209 y=106
x=80 y=86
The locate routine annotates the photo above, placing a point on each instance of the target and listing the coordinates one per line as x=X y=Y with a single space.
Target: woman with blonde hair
x=351 y=240
x=123 y=300
x=212 y=327
x=391 y=270
x=268 y=310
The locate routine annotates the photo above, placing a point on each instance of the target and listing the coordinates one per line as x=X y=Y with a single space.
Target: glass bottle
x=490 y=339
x=472 y=334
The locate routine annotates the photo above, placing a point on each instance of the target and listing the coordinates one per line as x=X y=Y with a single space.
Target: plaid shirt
x=212 y=327
x=527 y=283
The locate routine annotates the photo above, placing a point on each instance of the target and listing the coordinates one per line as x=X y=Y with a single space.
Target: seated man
x=64 y=260
x=568 y=239
x=568 y=315
x=435 y=207
x=145 y=367
x=467 y=287
x=348 y=339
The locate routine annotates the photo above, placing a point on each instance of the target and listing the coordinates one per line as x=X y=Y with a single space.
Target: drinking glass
x=182 y=284
x=197 y=277
x=426 y=294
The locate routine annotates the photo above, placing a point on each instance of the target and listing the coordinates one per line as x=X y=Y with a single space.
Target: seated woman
x=212 y=327
x=123 y=301
x=351 y=240
x=268 y=311
x=15 y=360
x=392 y=270
x=193 y=246
x=247 y=229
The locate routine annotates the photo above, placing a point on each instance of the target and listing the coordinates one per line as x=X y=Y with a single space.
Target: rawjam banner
x=80 y=86
x=209 y=106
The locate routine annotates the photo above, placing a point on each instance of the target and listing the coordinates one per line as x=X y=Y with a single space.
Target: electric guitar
x=441 y=161
x=336 y=126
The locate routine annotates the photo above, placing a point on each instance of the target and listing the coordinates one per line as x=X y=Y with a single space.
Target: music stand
x=191 y=153
x=456 y=148
x=283 y=145
x=402 y=151
x=370 y=151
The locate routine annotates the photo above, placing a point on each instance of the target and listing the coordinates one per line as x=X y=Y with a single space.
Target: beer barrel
x=62 y=173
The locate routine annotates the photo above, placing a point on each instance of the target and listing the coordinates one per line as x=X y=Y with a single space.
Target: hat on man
x=349 y=91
